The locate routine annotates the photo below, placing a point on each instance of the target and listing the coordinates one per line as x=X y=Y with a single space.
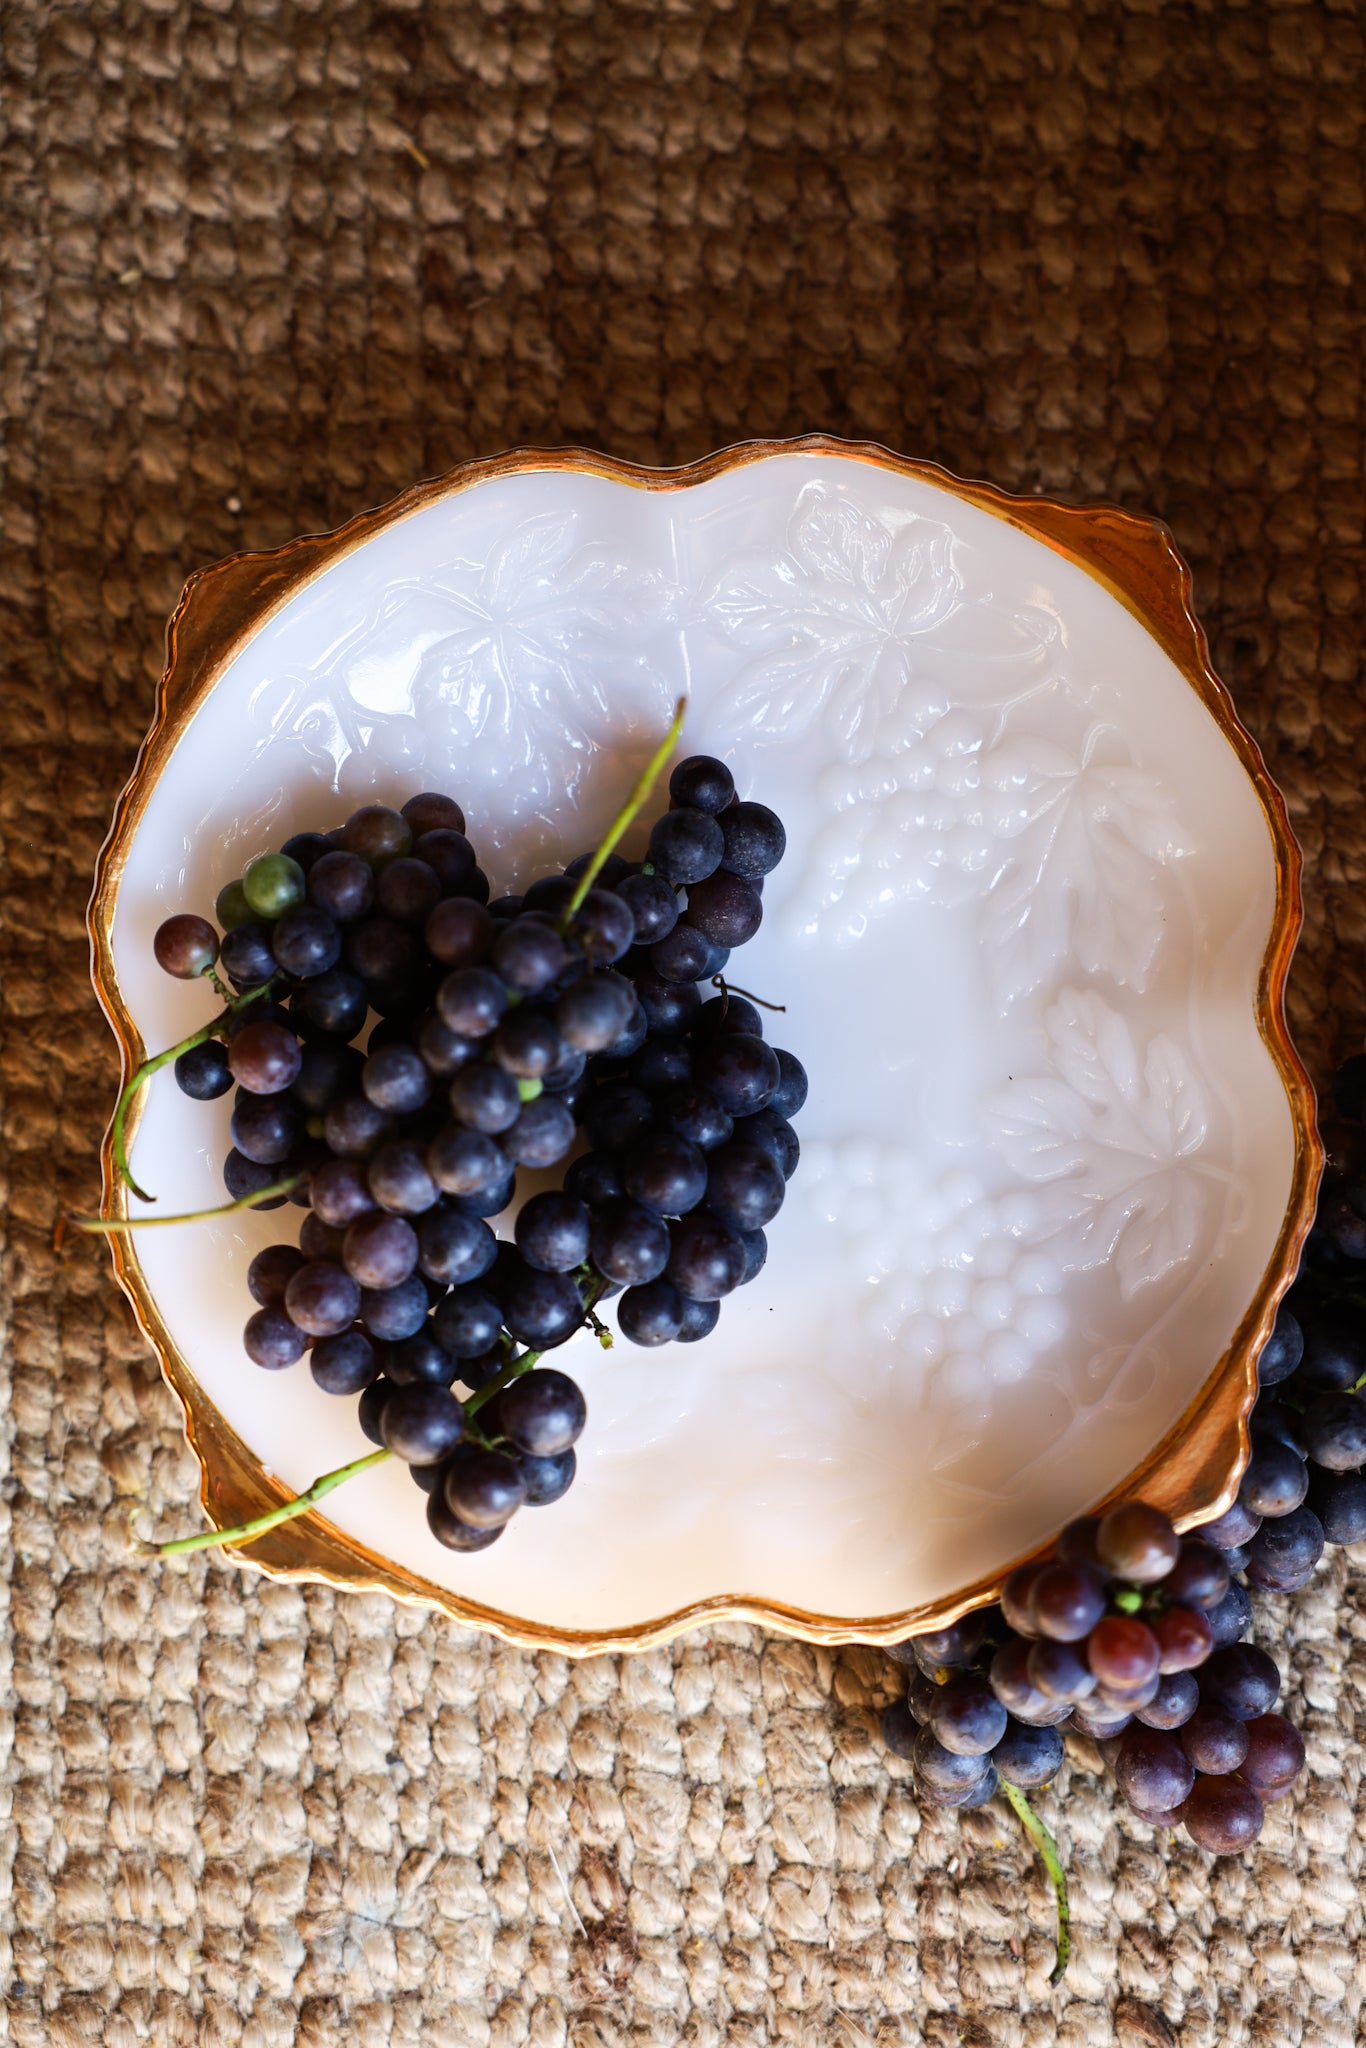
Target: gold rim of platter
x=1192 y=1472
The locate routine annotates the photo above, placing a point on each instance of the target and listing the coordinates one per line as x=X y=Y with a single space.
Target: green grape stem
x=114 y=1226
x=626 y=815
x=138 y=1080
x=1052 y=1862
x=247 y=1532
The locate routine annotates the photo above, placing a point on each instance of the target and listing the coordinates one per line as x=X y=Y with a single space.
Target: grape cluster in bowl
x=502 y=1035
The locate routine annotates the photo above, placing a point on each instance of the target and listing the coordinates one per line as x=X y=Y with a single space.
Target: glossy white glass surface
x=1018 y=932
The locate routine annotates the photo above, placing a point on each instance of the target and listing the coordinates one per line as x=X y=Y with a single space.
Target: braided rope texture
x=268 y=261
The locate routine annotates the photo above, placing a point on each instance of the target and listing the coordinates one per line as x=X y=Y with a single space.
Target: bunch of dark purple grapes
x=500 y=1034
x=1128 y=1634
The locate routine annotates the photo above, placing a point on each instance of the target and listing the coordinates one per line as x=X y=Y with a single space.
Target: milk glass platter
x=1031 y=932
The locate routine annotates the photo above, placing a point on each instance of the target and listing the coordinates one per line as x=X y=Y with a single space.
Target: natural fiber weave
x=267 y=263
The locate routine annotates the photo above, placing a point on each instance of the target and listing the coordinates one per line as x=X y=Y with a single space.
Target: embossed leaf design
x=1081 y=874
x=1111 y=1138
x=833 y=619
x=521 y=649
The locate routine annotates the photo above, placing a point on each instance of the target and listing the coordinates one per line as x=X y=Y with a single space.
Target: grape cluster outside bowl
x=1032 y=935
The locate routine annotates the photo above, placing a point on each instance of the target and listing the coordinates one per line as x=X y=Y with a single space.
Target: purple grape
x=548 y=1479
x=946 y=1770
x=699 y=1320
x=686 y=846
x=1137 y=1542
x=754 y=839
x=967 y=1717
x=1154 y=1773
x=706 y=1259
x=421 y=1424
x=460 y=932
x=272 y=1339
x=203 y=1072
x=540 y=1309
x=595 y=1011
x=430 y=811
x=400 y=1179
x=1282 y=1351
x=740 y=1071
x=1222 y=1815
x=419 y=1360
x=345 y=1364
x=379 y=1249
x=378 y=834
x=669 y=1006
x=391 y=1313
x=1066 y=1601
x=464 y=1162
x=542 y=1413
x=1242 y=1680
x=528 y=955
x=652 y=1314
x=653 y=906
x=266 y=1128
x=454 y=1249
x=271 y=1271
x=1028 y=1755
x=1171 y=1706
x=702 y=783
x=322 y=1298
x=408 y=889
x=451 y=857
x=541 y=1133
x=725 y=909
x=449 y=1530
x=486 y=1098
x=1214 y=1741
x=552 y=1233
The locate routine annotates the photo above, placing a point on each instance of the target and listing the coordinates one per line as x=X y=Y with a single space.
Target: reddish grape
x=1015 y=1596
x=1184 y=1638
x=1066 y=1601
x=1275 y=1754
x=265 y=1058
x=185 y=946
x=1214 y=1741
x=1137 y=1542
x=1222 y=1815
x=1155 y=1774
x=1123 y=1652
x=1077 y=1542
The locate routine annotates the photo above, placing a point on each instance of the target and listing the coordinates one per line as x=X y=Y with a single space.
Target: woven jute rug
x=266 y=263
